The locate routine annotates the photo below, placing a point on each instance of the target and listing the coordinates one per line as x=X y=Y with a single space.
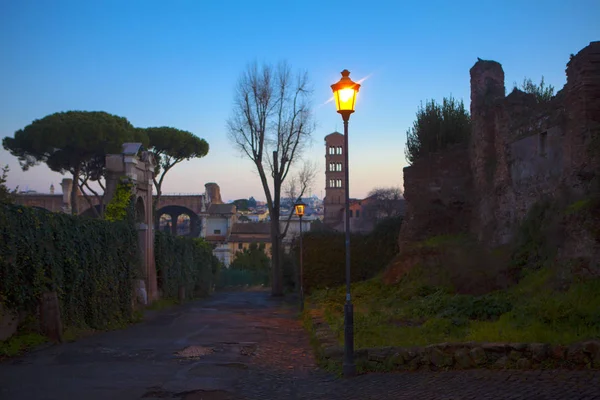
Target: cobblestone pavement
x=241 y=346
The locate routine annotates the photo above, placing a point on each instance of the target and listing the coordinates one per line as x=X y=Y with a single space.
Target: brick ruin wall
x=437 y=190
x=520 y=152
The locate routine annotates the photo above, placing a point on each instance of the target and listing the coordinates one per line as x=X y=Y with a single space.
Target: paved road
x=245 y=345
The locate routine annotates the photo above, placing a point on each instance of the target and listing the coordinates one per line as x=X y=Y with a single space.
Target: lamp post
x=344 y=92
x=299 y=209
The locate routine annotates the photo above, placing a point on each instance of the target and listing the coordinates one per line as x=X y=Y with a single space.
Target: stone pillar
x=203 y=226
x=582 y=136
x=142 y=229
x=213 y=193
x=487 y=89
x=174 y=223
x=131 y=162
x=67 y=186
x=50 y=320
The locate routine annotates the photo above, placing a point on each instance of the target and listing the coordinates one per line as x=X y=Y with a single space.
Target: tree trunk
x=277 y=278
x=74 y=187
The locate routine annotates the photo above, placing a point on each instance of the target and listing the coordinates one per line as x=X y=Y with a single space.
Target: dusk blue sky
x=175 y=63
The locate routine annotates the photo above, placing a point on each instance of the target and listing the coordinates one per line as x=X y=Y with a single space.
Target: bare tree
x=270 y=123
x=387 y=201
x=297 y=185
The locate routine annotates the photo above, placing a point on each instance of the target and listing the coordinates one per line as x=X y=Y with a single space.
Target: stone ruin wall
x=520 y=152
x=437 y=190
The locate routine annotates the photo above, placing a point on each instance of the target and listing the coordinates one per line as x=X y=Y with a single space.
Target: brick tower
x=334 y=181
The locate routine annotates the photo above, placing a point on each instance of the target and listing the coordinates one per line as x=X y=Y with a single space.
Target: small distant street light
x=345 y=92
x=299 y=209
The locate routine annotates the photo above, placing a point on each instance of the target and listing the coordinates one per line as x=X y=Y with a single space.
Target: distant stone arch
x=179 y=224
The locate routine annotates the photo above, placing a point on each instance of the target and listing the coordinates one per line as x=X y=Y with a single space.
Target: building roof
x=334 y=134
x=215 y=238
x=131 y=148
x=251 y=228
x=250 y=239
x=222 y=209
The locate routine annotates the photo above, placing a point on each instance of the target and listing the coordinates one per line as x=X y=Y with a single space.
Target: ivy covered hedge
x=89 y=263
x=182 y=261
x=325 y=254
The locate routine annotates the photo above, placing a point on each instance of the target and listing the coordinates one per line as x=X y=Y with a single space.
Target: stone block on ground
x=592 y=349
x=576 y=355
x=9 y=322
x=333 y=352
x=558 y=352
x=502 y=362
x=478 y=355
x=523 y=363
x=439 y=358
x=514 y=355
x=539 y=351
x=463 y=360
x=494 y=347
x=518 y=346
x=50 y=321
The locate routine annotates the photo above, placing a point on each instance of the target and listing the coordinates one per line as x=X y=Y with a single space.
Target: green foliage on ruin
x=413 y=312
x=19 y=343
x=437 y=127
x=534 y=245
x=542 y=92
x=183 y=261
x=89 y=263
x=324 y=254
x=119 y=206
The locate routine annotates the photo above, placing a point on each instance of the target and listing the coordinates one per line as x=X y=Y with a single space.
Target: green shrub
x=229 y=277
x=117 y=208
x=182 y=261
x=89 y=263
x=325 y=254
x=253 y=258
x=535 y=242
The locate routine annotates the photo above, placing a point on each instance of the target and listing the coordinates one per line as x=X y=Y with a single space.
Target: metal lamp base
x=349 y=368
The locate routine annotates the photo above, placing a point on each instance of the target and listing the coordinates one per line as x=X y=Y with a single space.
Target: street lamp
x=299 y=209
x=344 y=93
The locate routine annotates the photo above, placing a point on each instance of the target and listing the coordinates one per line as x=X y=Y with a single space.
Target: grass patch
x=412 y=313
x=20 y=343
x=328 y=365
x=162 y=304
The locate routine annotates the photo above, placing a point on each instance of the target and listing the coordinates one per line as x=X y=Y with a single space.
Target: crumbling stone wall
x=520 y=152
x=437 y=190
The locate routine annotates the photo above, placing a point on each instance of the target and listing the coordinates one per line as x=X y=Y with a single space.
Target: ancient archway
x=138 y=166
x=181 y=220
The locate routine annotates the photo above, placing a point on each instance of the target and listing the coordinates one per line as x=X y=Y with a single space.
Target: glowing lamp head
x=344 y=93
x=299 y=209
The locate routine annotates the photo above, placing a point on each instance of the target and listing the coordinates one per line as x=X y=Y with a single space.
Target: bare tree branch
x=387 y=201
x=270 y=122
x=298 y=185
x=83 y=183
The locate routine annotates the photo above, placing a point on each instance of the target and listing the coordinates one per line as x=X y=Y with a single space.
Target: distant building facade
x=364 y=213
x=334 y=180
